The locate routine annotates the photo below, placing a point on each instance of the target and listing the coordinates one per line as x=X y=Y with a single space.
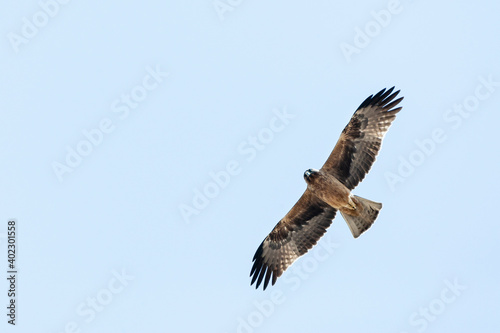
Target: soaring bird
x=329 y=190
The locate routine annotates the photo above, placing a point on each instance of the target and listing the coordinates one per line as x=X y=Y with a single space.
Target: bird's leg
x=351 y=207
x=351 y=203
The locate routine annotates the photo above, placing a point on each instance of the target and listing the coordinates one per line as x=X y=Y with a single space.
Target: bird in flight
x=329 y=190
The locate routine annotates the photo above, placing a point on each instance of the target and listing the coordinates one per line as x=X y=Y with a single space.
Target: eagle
x=329 y=190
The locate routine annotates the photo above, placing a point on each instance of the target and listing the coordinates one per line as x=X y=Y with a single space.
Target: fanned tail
x=367 y=211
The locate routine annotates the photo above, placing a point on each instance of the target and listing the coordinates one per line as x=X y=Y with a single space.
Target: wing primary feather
x=257 y=259
x=387 y=93
x=256 y=273
x=261 y=276
x=388 y=99
x=393 y=104
x=377 y=97
x=254 y=268
x=268 y=276
x=365 y=102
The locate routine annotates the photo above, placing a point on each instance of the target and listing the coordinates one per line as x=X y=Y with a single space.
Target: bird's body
x=358 y=212
x=329 y=190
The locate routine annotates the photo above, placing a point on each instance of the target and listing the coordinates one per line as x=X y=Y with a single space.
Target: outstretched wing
x=293 y=236
x=361 y=139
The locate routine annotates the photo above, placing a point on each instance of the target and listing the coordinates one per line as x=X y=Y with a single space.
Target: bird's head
x=309 y=174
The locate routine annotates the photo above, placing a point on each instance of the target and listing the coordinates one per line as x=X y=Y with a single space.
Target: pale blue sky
x=116 y=116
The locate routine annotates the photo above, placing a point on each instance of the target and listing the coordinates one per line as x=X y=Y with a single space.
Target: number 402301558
x=11 y=244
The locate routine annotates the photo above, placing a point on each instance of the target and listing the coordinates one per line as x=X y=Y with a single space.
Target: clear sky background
x=148 y=148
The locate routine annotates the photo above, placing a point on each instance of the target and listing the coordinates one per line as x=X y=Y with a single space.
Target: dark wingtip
x=268 y=276
x=365 y=102
x=258 y=268
x=263 y=275
x=261 y=272
x=384 y=96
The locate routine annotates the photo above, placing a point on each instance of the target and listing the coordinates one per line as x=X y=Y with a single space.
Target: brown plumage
x=329 y=190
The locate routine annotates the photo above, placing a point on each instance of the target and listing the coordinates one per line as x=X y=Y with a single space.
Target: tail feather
x=368 y=212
